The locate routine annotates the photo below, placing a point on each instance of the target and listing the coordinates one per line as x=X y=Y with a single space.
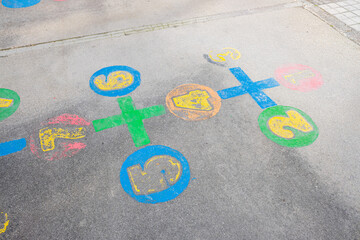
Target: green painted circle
x=300 y=138
x=5 y=112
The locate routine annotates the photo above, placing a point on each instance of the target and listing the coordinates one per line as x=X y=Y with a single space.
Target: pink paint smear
x=304 y=85
x=69 y=119
x=62 y=150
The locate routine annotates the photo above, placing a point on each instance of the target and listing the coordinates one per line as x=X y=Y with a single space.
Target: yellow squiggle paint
x=116 y=80
x=220 y=57
x=2 y=230
x=196 y=100
x=296 y=77
x=295 y=120
x=4 y=103
x=48 y=135
x=140 y=179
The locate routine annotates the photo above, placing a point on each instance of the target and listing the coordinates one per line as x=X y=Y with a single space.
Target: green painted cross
x=133 y=118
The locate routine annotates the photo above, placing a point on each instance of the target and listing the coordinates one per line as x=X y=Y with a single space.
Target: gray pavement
x=346 y=11
x=51 y=20
x=242 y=185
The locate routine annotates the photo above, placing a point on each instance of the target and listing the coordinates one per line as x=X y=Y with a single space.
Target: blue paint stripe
x=7 y=148
x=267 y=83
x=263 y=100
x=241 y=77
x=19 y=3
x=231 y=92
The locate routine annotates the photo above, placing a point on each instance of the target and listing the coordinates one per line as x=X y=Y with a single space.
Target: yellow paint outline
x=2 y=230
x=294 y=77
x=222 y=56
x=47 y=136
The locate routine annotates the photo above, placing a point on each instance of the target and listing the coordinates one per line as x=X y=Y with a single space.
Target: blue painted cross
x=248 y=86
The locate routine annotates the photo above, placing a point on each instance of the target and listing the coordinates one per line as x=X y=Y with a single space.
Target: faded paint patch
x=56 y=140
x=299 y=77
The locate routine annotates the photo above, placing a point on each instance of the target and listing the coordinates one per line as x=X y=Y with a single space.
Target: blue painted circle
x=119 y=92
x=140 y=157
x=19 y=3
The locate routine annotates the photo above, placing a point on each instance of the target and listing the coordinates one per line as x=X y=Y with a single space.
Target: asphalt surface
x=242 y=185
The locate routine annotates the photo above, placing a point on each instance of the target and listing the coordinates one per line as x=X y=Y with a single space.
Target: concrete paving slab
x=243 y=186
x=340 y=15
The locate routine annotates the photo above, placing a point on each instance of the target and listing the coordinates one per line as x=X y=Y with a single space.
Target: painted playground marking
x=193 y=102
x=4 y=222
x=115 y=81
x=13 y=146
x=56 y=140
x=288 y=126
x=19 y=3
x=299 y=77
x=224 y=55
x=9 y=103
x=250 y=87
x=133 y=118
x=155 y=174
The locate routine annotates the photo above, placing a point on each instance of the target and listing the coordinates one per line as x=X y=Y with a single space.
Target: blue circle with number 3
x=140 y=157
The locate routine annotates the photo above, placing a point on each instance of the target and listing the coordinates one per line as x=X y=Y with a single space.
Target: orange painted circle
x=193 y=102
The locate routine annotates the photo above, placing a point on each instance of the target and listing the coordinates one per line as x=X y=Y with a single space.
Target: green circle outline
x=301 y=139
x=9 y=94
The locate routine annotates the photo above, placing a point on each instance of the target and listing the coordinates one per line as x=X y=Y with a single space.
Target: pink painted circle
x=60 y=137
x=298 y=77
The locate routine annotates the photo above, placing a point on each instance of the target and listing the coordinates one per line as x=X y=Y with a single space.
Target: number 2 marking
x=295 y=120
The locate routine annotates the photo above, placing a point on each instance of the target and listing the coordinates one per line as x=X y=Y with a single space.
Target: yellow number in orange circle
x=193 y=102
x=196 y=100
